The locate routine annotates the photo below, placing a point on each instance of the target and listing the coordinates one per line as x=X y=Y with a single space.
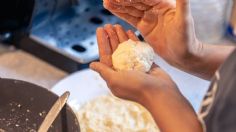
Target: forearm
x=204 y=62
x=171 y=111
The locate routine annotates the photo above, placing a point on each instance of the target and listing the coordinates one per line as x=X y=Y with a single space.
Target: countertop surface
x=17 y=64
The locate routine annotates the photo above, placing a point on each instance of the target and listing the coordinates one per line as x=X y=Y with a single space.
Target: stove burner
x=96 y=20
x=78 y=48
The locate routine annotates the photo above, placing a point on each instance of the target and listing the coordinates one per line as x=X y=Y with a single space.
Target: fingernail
x=129 y=31
x=117 y=25
x=92 y=65
x=99 y=28
x=106 y=25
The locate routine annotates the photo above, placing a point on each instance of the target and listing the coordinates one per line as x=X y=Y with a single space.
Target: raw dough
x=133 y=55
x=110 y=114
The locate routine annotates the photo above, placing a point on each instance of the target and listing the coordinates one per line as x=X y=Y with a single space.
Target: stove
x=63 y=32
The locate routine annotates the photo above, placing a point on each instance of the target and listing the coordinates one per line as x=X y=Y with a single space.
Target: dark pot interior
x=23 y=107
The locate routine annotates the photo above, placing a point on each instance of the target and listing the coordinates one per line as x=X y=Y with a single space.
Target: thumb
x=105 y=71
x=182 y=9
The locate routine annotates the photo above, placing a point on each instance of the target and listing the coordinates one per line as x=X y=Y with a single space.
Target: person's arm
x=157 y=93
x=169 y=28
x=154 y=90
x=171 y=111
x=206 y=60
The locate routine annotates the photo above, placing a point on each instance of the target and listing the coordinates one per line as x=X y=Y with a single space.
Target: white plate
x=83 y=86
x=87 y=84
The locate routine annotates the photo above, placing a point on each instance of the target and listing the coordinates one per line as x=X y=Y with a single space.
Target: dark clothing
x=219 y=106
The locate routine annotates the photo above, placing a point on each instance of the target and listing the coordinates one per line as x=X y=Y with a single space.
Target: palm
x=161 y=24
x=159 y=29
x=109 y=38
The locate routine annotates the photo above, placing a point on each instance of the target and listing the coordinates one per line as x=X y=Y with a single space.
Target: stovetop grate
x=72 y=31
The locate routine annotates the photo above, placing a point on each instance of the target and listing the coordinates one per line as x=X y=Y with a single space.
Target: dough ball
x=133 y=55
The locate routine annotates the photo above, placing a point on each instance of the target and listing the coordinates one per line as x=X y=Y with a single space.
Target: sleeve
x=222 y=115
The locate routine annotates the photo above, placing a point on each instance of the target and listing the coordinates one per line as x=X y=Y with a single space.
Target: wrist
x=168 y=103
x=157 y=93
x=193 y=53
x=193 y=59
x=145 y=98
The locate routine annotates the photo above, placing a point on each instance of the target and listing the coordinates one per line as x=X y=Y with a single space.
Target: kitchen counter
x=20 y=65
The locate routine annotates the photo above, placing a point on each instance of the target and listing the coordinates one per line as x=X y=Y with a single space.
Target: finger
x=154 y=65
x=113 y=38
x=182 y=8
x=132 y=35
x=123 y=9
x=155 y=70
x=141 y=6
x=149 y=21
x=130 y=2
x=121 y=33
x=105 y=50
x=150 y=15
x=128 y=18
x=124 y=2
x=138 y=5
x=105 y=71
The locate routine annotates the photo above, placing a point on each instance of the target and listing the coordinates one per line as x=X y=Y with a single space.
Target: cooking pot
x=23 y=106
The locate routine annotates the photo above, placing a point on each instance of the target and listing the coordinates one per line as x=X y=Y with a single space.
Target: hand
x=167 y=26
x=133 y=85
x=154 y=90
x=108 y=39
